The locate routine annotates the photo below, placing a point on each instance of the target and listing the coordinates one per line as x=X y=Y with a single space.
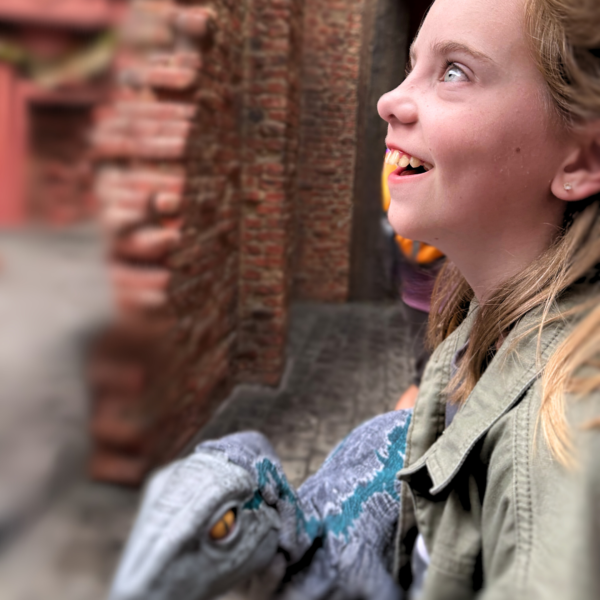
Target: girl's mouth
x=406 y=164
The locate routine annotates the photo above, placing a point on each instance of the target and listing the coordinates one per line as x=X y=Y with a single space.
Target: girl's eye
x=454 y=74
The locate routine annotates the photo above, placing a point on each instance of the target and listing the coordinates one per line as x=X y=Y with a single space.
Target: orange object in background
x=385 y=190
x=417 y=251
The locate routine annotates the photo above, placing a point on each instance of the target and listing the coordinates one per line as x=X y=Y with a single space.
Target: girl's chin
x=405 y=230
x=409 y=225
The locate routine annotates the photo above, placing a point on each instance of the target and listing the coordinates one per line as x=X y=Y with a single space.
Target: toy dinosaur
x=226 y=516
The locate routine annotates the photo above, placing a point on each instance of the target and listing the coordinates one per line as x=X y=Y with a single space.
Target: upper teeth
x=400 y=159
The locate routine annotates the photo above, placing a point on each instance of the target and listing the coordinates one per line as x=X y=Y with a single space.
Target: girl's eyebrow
x=443 y=48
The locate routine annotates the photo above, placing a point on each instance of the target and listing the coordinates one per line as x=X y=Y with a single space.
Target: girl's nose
x=398 y=106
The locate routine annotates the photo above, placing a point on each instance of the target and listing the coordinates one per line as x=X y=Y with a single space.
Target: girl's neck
x=489 y=262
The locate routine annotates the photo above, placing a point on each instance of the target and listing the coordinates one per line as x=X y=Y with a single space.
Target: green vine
x=81 y=65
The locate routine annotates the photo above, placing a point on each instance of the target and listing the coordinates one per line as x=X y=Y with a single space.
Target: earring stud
x=568 y=187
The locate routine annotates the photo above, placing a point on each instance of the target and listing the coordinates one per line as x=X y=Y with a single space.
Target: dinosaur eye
x=223 y=527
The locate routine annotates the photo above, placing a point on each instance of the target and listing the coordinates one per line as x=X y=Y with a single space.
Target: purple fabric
x=417 y=282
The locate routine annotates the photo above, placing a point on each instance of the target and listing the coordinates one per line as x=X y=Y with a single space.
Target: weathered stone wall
x=330 y=71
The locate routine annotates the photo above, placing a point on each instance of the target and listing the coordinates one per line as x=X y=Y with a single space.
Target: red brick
x=148 y=243
x=156 y=110
x=251 y=274
x=118 y=430
x=129 y=276
x=266 y=209
x=160 y=148
x=272 y=101
x=277 y=249
x=126 y=469
x=116 y=218
x=168 y=202
x=252 y=196
x=118 y=376
x=172 y=78
x=195 y=22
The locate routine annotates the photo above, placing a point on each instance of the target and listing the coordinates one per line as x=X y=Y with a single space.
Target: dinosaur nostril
x=223 y=526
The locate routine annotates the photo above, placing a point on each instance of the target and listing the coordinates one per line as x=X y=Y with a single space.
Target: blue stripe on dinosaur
x=265 y=469
x=340 y=523
x=383 y=482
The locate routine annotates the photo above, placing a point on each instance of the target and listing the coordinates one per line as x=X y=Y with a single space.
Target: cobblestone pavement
x=346 y=364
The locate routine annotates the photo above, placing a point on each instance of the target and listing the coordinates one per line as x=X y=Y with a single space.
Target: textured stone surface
x=271 y=127
x=326 y=162
x=347 y=364
x=197 y=153
x=168 y=183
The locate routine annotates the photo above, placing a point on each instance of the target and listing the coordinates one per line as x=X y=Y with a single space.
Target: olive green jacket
x=501 y=519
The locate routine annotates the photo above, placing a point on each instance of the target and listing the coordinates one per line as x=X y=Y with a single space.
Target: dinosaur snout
x=196 y=533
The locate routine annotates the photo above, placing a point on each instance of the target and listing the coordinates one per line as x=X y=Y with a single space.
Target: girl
x=496 y=134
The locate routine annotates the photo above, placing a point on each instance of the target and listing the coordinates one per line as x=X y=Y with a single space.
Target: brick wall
x=169 y=183
x=226 y=161
x=330 y=70
x=271 y=114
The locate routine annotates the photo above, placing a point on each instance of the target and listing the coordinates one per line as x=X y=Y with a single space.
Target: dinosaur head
x=196 y=534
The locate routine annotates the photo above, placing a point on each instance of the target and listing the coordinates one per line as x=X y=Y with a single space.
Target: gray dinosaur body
x=332 y=539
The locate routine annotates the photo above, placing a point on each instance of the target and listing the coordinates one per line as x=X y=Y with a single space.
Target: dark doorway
x=389 y=28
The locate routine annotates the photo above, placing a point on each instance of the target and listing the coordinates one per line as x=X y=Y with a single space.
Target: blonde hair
x=565 y=41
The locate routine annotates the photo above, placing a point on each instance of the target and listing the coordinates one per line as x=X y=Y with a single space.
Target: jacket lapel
x=507 y=378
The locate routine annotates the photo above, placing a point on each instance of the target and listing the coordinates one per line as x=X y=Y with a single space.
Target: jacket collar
x=506 y=379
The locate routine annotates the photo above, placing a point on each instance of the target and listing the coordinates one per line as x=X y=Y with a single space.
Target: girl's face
x=474 y=107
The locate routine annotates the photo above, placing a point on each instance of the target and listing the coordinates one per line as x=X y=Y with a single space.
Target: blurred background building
x=232 y=151
x=225 y=158
x=237 y=167
x=54 y=65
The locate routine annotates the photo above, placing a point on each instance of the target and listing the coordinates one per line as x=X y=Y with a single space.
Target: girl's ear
x=579 y=175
